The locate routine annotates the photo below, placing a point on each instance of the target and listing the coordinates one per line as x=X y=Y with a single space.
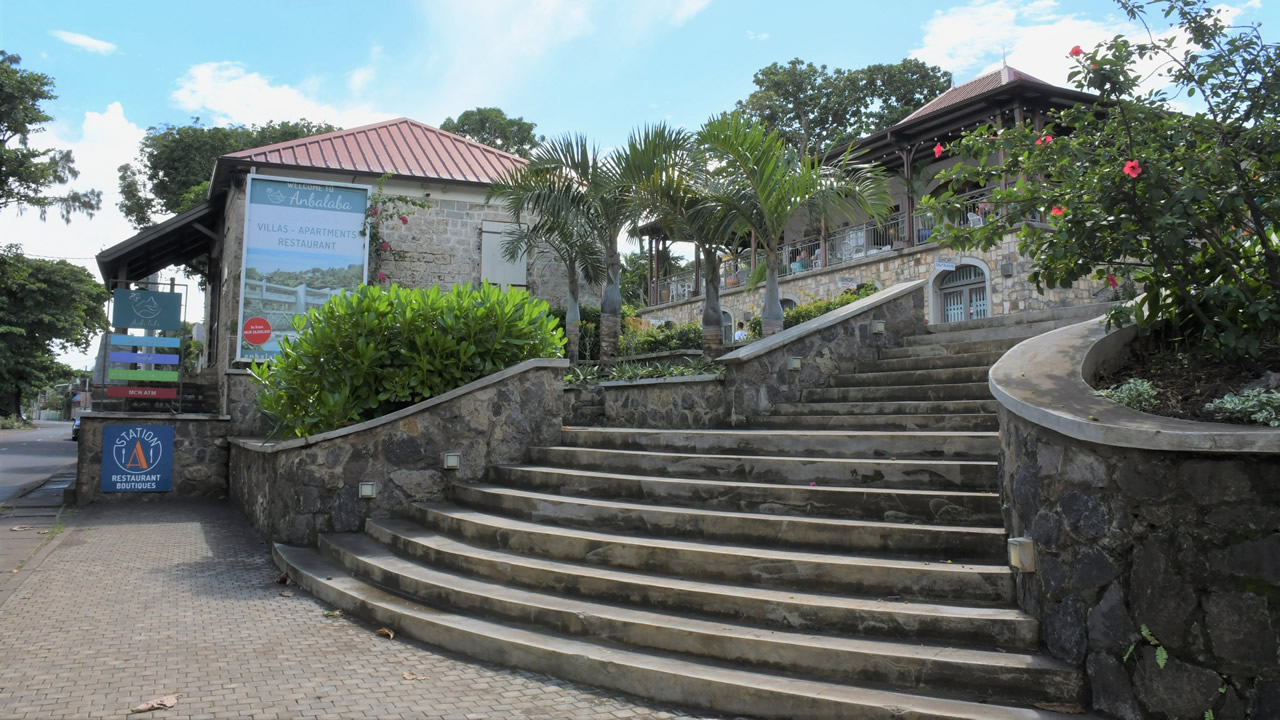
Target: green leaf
x=1162 y=656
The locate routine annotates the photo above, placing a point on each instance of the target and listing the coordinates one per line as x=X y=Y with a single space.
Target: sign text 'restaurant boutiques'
x=137 y=458
x=304 y=242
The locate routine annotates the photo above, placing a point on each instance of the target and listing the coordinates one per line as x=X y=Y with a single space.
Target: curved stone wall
x=1142 y=521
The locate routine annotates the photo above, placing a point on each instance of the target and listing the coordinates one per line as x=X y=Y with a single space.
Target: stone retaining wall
x=758 y=376
x=1186 y=544
x=293 y=490
x=1138 y=520
x=199 y=456
x=695 y=401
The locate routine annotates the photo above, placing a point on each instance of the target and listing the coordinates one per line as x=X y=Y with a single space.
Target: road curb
x=16 y=580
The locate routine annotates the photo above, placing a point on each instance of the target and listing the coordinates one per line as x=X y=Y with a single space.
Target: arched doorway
x=962 y=294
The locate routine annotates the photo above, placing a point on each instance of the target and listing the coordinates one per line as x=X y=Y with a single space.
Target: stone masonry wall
x=679 y=402
x=1008 y=294
x=753 y=386
x=292 y=491
x=1186 y=544
x=199 y=457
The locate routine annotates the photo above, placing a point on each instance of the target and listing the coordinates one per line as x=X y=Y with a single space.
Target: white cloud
x=233 y=95
x=360 y=78
x=107 y=140
x=84 y=42
x=686 y=9
x=757 y=36
x=1035 y=37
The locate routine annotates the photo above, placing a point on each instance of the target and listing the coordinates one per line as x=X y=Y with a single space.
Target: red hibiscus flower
x=404 y=219
x=1076 y=51
x=938 y=150
x=1132 y=169
x=1111 y=280
x=1045 y=140
x=1056 y=210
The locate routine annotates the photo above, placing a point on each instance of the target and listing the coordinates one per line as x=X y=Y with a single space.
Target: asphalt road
x=29 y=456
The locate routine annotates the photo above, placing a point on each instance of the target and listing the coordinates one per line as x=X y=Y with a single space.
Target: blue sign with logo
x=147 y=310
x=137 y=458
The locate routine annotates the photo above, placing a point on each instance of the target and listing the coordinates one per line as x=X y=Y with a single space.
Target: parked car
x=75 y=429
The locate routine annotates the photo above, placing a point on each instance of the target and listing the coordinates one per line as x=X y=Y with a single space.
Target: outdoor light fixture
x=452 y=460
x=1006 y=269
x=1022 y=554
x=368 y=490
x=877 y=327
x=793 y=363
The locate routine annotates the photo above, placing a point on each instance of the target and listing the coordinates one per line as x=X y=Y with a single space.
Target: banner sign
x=137 y=458
x=160 y=375
x=304 y=242
x=147 y=310
x=142 y=341
x=146 y=393
x=147 y=358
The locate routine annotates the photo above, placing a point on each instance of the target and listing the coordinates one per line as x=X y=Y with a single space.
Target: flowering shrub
x=368 y=353
x=387 y=208
x=1182 y=205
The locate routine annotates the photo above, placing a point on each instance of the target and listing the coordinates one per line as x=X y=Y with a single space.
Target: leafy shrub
x=377 y=350
x=589 y=328
x=591 y=374
x=1133 y=393
x=1258 y=406
x=809 y=311
x=13 y=422
x=638 y=341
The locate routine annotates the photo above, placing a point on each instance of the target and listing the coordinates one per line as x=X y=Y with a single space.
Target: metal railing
x=843 y=246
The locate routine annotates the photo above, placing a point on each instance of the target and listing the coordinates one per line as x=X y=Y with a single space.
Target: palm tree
x=576 y=184
x=758 y=184
x=664 y=171
x=559 y=234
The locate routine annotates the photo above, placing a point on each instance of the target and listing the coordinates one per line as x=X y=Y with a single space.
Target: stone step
x=956 y=422
x=767 y=567
x=1002 y=676
x=890 y=617
x=794 y=443
x=940 y=376
x=839 y=472
x=943 y=507
x=660 y=676
x=932 y=362
x=1060 y=315
x=916 y=407
x=954 y=348
x=899 y=393
x=1002 y=332
x=841 y=535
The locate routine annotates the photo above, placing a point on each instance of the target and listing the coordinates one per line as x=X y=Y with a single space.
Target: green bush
x=640 y=341
x=589 y=328
x=377 y=350
x=1258 y=406
x=809 y=311
x=1133 y=393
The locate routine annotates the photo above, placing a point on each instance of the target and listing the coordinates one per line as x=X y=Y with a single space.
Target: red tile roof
x=402 y=147
x=971 y=89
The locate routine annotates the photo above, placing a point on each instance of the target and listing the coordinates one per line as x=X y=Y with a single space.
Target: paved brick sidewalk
x=142 y=601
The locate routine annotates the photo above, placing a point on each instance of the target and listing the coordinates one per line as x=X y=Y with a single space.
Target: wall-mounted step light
x=368 y=490
x=1022 y=554
x=452 y=460
x=793 y=363
x=877 y=327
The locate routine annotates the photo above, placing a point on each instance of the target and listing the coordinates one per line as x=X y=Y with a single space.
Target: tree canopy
x=45 y=306
x=812 y=109
x=492 y=127
x=1138 y=194
x=26 y=174
x=171 y=173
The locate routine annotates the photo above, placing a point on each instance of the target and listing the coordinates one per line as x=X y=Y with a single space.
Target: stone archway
x=960 y=294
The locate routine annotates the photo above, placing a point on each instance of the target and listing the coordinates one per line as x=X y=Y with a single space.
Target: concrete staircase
x=841 y=558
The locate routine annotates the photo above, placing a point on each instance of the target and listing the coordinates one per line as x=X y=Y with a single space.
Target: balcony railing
x=842 y=246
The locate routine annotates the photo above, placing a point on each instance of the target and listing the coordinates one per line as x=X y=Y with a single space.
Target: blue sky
x=601 y=67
